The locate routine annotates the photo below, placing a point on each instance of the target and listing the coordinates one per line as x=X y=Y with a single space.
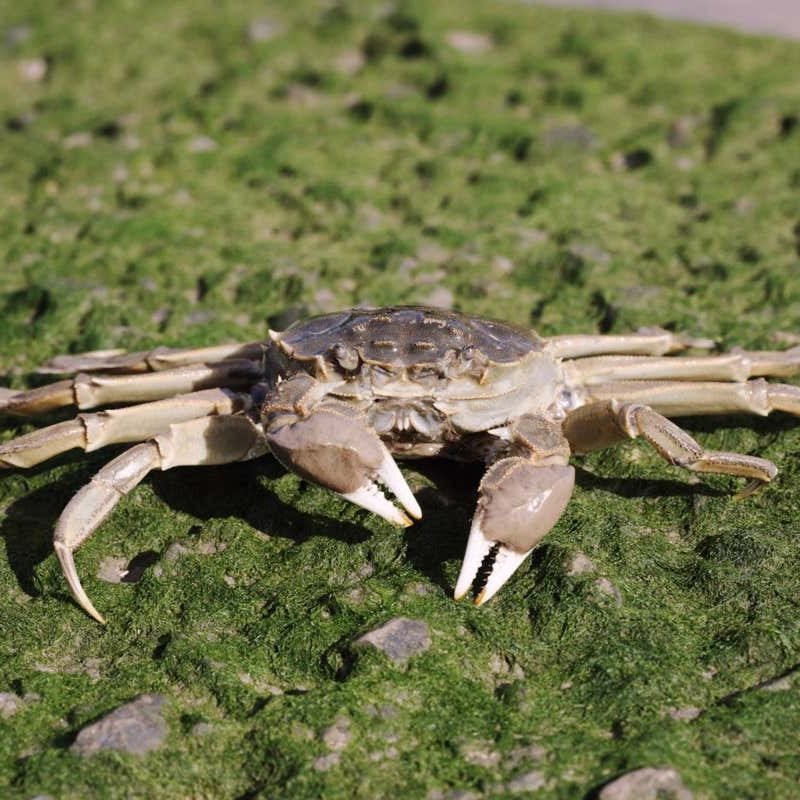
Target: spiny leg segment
x=734 y=366
x=690 y=398
x=209 y=440
x=599 y=425
x=646 y=342
x=160 y=358
x=89 y=391
x=115 y=426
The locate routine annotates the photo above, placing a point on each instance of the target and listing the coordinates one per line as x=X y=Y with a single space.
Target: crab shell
x=435 y=373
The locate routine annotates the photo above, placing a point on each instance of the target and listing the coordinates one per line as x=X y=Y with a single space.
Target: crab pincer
x=521 y=497
x=332 y=446
x=519 y=504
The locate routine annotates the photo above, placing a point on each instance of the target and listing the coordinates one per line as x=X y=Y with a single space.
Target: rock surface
x=527 y=782
x=337 y=736
x=9 y=704
x=136 y=727
x=648 y=783
x=399 y=638
x=778 y=17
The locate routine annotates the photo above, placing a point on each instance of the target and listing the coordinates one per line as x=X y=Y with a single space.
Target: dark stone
x=788 y=123
x=413 y=48
x=437 y=88
x=361 y=110
x=635 y=159
x=109 y=130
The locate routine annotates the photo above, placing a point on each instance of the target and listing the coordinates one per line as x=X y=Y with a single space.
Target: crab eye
x=473 y=355
x=346 y=356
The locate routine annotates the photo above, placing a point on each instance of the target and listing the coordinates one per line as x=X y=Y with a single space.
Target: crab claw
x=519 y=503
x=333 y=447
x=369 y=495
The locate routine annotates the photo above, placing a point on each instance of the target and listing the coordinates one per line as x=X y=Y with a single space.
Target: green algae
x=183 y=175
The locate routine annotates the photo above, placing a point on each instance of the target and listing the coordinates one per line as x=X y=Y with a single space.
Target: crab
x=337 y=398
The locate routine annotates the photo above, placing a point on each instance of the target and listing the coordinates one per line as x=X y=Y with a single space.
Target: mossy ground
x=183 y=173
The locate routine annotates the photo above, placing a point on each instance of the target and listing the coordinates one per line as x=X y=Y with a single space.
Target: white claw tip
x=369 y=496
x=389 y=473
x=74 y=582
x=483 y=553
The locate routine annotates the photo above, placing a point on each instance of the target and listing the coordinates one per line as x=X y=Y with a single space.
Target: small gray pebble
x=688 y=713
x=580 y=563
x=10 y=703
x=648 y=783
x=527 y=782
x=324 y=763
x=113 y=569
x=578 y=137
x=136 y=727
x=201 y=729
x=399 y=638
x=338 y=735
x=780 y=684
x=175 y=551
x=607 y=588
x=263 y=29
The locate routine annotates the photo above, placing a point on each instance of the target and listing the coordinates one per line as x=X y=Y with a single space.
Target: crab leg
x=150 y=360
x=330 y=443
x=210 y=440
x=130 y=424
x=646 y=342
x=600 y=424
x=682 y=399
x=521 y=497
x=737 y=366
x=89 y=391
